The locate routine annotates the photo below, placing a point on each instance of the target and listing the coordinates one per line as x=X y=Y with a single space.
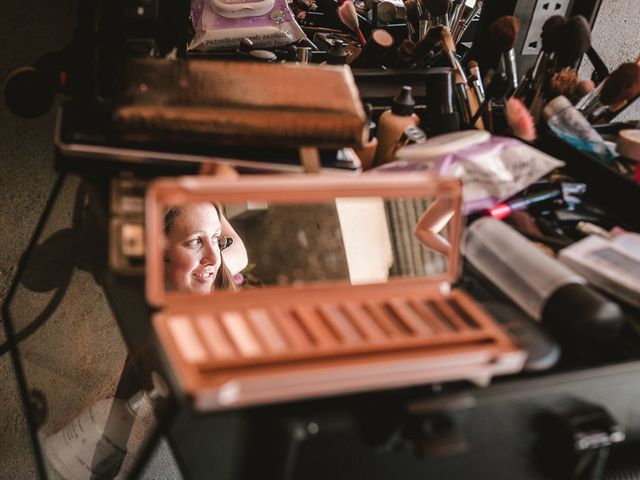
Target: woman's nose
x=210 y=254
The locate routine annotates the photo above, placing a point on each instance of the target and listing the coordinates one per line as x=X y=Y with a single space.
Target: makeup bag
x=350 y=301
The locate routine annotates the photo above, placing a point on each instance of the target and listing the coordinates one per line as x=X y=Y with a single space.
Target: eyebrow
x=201 y=232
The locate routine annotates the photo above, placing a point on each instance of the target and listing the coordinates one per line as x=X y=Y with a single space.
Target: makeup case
x=323 y=338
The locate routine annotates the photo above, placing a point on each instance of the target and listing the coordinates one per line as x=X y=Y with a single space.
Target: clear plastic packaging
x=221 y=24
x=567 y=123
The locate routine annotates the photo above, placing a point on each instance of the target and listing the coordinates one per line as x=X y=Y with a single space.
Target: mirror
x=209 y=246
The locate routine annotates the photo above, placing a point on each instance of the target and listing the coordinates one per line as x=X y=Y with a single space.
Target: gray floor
x=75 y=359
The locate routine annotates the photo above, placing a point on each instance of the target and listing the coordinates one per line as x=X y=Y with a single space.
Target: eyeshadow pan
x=428 y=316
x=387 y=324
x=410 y=317
x=290 y=326
x=444 y=308
x=334 y=315
x=322 y=334
x=215 y=338
x=265 y=328
x=364 y=321
x=241 y=334
x=187 y=340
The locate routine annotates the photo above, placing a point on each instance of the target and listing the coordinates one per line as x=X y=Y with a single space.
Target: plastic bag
x=491 y=168
x=221 y=24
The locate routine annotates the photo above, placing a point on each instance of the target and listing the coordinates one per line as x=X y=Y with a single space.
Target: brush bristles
x=585 y=86
x=552 y=33
x=622 y=84
x=574 y=41
x=430 y=40
x=348 y=15
x=520 y=120
x=437 y=8
x=412 y=10
x=504 y=32
x=564 y=83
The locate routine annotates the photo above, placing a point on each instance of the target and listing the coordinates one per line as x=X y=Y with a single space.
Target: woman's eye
x=194 y=242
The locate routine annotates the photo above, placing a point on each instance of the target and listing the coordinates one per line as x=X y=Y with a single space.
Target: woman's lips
x=204 y=277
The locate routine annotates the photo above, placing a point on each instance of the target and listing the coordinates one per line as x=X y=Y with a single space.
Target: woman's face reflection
x=193 y=254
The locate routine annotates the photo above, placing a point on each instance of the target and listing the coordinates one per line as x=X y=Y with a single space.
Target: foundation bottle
x=392 y=124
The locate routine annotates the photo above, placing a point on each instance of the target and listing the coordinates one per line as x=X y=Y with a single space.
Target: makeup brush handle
x=509 y=59
x=587 y=102
x=480 y=111
x=608 y=115
x=455 y=63
x=456 y=13
x=465 y=22
x=363 y=40
x=475 y=100
x=600 y=70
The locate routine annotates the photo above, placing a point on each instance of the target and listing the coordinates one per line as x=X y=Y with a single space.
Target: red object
x=636 y=173
x=500 y=211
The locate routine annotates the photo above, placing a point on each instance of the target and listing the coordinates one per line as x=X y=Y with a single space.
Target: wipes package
x=491 y=168
x=221 y=24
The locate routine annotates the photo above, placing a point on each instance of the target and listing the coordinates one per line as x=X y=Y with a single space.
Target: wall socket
x=541 y=13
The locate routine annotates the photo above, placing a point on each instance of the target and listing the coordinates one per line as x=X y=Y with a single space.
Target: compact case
x=306 y=340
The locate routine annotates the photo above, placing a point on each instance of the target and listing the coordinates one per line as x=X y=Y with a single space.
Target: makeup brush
x=600 y=70
x=550 y=36
x=536 y=76
x=413 y=17
x=437 y=10
x=348 y=15
x=457 y=9
x=585 y=86
x=504 y=33
x=449 y=48
x=520 y=120
x=622 y=85
x=474 y=69
x=424 y=49
x=468 y=101
x=482 y=49
x=564 y=82
x=574 y=41
x=464 y=23
x=624 y=90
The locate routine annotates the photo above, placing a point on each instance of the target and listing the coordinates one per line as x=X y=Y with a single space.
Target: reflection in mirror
x=195 y=236
x=209 y=247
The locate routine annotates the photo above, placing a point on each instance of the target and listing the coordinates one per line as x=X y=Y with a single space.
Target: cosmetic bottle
x=337 y=54
x=392 y=124
x=94 y=444
x=540 y=285
x=368 y=150
x=441 y=116
x=567 y=123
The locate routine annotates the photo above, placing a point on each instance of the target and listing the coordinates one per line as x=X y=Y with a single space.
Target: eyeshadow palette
x=314 y=330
